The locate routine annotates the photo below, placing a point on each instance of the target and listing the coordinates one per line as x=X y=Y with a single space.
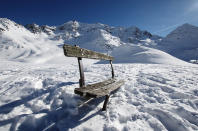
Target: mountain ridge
x=38 y=42
x=182 y=42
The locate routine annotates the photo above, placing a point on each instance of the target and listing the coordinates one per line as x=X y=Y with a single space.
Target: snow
x=182 y=39
x=141 y=54
x=154 y=97
x=37 y=81
x=19 y=44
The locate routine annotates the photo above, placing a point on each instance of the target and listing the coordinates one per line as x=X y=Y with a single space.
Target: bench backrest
x=75 y=51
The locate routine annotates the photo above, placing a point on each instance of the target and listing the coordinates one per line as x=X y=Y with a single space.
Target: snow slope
x=141 y=54
x=154 y=97
x=182 y=42
x=19 y=44
x=43 y=44
x=37 y=81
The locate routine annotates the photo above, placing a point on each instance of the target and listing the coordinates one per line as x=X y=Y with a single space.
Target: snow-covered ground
x=154 y=97
x=37 y=81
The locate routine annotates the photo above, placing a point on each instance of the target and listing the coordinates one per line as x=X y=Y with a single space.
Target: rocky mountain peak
x=6 y=24
x=34 y=28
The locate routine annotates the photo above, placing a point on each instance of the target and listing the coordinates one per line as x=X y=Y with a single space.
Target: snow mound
x=141 y=54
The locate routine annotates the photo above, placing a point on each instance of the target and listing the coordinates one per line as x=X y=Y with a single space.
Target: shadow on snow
x=52 y=119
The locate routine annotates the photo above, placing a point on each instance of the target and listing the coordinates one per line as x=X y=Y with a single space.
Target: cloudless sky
x=157 y=16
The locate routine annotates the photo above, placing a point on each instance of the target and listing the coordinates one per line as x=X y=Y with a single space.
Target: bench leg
x=105 y=103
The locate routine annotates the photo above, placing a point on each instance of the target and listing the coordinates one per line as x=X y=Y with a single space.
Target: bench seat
x=99 y=89
x=105 y=88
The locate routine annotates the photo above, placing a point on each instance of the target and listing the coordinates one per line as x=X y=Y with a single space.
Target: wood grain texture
x=99 y=89
x=96 y=85
x=74 y=51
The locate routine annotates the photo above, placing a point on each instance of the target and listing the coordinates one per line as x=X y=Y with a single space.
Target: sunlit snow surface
x=37 y=81
x=154 y=97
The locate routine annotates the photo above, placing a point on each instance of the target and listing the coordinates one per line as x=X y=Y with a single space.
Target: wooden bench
x=96 y=90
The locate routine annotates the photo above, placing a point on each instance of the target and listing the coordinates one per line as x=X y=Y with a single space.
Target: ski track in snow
x=154 y=97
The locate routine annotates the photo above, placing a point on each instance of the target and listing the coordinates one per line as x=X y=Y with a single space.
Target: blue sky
x=157 y=16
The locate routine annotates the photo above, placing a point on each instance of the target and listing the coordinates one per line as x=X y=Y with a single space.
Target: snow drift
x=140 y=54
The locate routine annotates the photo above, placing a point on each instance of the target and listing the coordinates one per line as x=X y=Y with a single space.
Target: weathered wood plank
x=74 y=51
x=94 y=86
x=98 y=91
x=103 y=91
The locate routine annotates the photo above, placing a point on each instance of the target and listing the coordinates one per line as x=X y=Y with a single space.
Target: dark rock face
x=34 y=28
x=1 y=30
x=47 y=29
x=146 y=33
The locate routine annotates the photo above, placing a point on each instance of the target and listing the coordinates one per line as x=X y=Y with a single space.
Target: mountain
x=19 y=44
x=41 y=44
x=36 y=95
x=95 y=36
x=182 y=42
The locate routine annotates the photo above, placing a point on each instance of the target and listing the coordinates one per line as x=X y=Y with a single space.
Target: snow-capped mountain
x=74 y=30
x=95 y=35
x=182 y=42
x=19 y=44
x=36 y=95
x=34 y=28
x=34 y=43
